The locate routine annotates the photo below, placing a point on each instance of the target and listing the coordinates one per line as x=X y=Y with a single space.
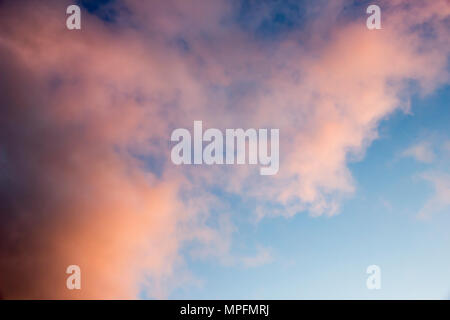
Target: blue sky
x=327 y=257
x=87 y=176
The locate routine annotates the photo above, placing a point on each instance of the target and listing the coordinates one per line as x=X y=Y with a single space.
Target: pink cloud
x=422 y=152
x=440 y=200
x=82 y=109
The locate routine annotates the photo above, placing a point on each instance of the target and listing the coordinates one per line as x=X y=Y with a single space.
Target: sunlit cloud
x=85 y=172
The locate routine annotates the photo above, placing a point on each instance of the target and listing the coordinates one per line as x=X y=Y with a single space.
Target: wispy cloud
x=86 y=120
x=262 y=257
x=422 y=152
x=440 y=201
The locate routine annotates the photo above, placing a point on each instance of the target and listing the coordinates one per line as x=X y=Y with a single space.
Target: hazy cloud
x=422 y=152
x=86 y=119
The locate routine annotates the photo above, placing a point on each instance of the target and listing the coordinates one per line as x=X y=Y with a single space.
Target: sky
x=86 y=176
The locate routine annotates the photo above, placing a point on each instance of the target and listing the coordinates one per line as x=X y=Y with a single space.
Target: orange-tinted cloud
x=72 y=189
x=86 y=113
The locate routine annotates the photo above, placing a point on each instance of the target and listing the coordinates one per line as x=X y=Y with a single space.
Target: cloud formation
x=440 y=200
x=422 y=152
x=85 y=174
x=262 y=257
